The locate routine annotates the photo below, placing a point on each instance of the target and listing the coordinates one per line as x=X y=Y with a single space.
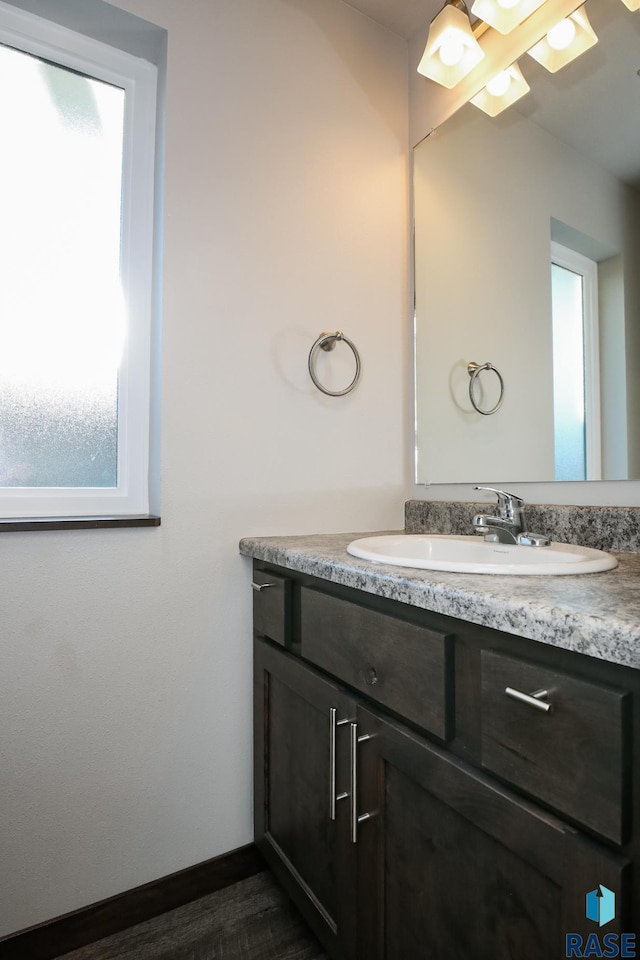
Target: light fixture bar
x=500 y=52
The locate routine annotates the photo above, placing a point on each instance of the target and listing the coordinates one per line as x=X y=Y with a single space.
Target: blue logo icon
x=601 y=909
x=601 y=905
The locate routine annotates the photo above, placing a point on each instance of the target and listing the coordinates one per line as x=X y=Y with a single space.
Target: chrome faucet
x=509 y=525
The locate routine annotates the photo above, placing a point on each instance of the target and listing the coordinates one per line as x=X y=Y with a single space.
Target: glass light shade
x=502 y=91
x=632 y=4
x=561 y=46
x=505 y=15
x=452 y=51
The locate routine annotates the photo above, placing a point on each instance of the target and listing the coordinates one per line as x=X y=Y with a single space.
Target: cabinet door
x=453 y=866
x=302 y=784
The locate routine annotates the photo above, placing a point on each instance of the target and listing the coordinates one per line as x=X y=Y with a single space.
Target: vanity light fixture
x=564 y=42
x=501 y=91
x=505 y=15
x=480 y=61
x=452 y=51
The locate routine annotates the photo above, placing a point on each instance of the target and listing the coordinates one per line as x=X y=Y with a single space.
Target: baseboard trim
x=81 y=927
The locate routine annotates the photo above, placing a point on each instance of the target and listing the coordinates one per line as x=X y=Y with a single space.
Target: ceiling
x=404 y=17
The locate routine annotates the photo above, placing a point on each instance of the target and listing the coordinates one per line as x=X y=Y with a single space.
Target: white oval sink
x=472 y=554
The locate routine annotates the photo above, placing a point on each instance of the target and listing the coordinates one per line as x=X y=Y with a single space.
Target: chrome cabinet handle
x=355 y=819
x=533 y=699
x=333 y=724
x=258 y=587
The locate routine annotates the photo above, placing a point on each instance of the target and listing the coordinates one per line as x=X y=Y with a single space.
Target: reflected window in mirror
x=576 y=378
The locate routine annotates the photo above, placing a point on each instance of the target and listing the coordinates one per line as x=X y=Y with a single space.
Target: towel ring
x=474 y=369
x=327 y=341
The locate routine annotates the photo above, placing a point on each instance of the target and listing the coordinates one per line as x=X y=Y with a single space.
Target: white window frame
x=588 y=270
x=138 y=78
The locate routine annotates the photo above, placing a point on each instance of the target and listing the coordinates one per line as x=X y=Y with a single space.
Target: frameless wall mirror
x=527 y=253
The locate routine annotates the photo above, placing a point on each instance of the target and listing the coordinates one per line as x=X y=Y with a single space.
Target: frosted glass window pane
x=61 y=308
x=568 y=374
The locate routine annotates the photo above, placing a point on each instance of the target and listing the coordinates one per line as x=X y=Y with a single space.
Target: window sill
x=75 y=523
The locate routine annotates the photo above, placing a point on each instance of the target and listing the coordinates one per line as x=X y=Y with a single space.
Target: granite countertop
x=596 y=614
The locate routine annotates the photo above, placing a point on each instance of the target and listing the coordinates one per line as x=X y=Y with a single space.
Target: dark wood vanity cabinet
x=412 y=811
x=301 y=764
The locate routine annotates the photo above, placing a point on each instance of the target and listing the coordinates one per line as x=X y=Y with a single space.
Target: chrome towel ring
x=474 y=369
x=327 y=341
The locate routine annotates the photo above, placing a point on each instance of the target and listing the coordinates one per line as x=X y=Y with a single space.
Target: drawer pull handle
x=355 y=819
x=258 y=587
x=333 y=724
x=536 y=699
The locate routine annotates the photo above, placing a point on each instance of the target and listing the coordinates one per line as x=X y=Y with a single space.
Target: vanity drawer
x=272 y=606
x=573 y=756
x=405 y=667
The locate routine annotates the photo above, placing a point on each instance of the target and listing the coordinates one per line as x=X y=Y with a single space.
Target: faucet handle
x=508 y=503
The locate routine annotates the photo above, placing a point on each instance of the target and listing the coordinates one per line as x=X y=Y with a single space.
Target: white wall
x=125 y=688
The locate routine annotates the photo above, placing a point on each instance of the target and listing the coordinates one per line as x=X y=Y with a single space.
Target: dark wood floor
x=250 y=920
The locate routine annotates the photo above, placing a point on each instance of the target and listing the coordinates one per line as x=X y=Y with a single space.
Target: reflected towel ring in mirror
x=474 y=369
x=327 y=341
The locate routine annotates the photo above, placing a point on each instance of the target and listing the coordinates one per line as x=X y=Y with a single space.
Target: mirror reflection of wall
x=508 y=219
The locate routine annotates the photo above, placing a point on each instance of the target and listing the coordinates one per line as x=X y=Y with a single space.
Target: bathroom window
x=77 y=119
x=576 y=377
